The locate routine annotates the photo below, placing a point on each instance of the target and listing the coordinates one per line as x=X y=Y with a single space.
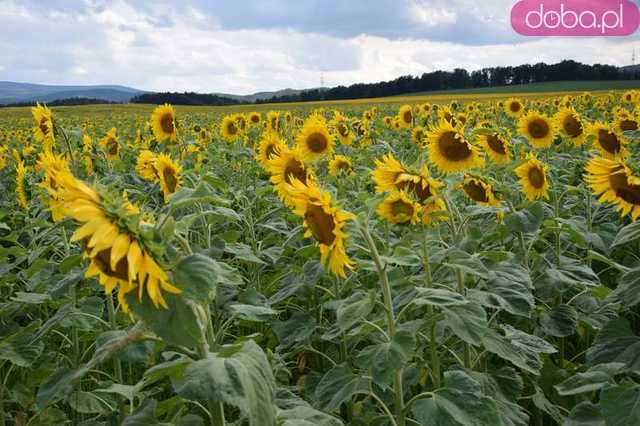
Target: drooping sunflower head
x=169 y=174
x=386 y=173
x=145 y=166
x=513 y=107
x=419 y=136
x=497 y=145
x=163 y=122
x=284 y=168
x=533 y=176
x=538 y=129
x=450 y=152
x=615 y=183
x=405 y=116
x=340 y=165
x=269 y=147
x=111 y=144
x=570 y=124
x=479 y=190
x=608 y=141
x=21 y=185
x=314 y=140
x=324 y=222
x=399 y=208
x=229 y=128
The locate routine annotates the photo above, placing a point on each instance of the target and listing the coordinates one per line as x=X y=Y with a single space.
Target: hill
x=13 y=92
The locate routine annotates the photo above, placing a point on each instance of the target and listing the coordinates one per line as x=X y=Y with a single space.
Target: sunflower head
x=450 y=152
x=111 y=144
x=169 y=174
x=419 y=136
x=513 y=107
x=314 y=140
x=405 y=116
x=496 y=145
x=570 y=124
x=399 y=208
x=269 y=147
x=254 y=118
x=608 y=141
x=538 y=129
x=626 y=122
x=533 y=176
x=229 y=128
x=145 y=166
x=286 y=167
x=273 y=120
x=163 y=122
x=615 y=183
x=43 y=125
x=21 y=185
x=344 y=132
x=340 y=165
x=479 y=190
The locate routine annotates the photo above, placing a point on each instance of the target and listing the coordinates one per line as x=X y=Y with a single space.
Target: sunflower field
x=455 y=263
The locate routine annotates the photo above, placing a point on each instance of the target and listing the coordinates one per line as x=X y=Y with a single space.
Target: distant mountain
x=11 y=92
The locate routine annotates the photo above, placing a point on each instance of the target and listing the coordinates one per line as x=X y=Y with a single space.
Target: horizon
x=212 y=48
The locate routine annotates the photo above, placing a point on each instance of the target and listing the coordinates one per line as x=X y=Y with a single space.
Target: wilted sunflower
x=43 y=129
x=163 y=121
x=339 y=165
x=145 y=166
x=405 y=116
x=270 y=146
x=615 y=183
x=111 y=144
x=229 y=128
x=399 y=208
x=254 y=118
x=496 y=145
x=21 y=177
x=479 y=190
x=314 y=140
x=513 y=107
x=344 y=132
x=284 y=167
x=450 y=152
x=325 y=223
x=538 y=129
x=419 y=136
x=533 y=178
x=570 y=123
x=608 y=141
x=169 y=174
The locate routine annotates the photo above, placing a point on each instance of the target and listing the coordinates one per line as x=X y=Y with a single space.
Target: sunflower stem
x=391 y=323
x=117 y=366
x=433 y=344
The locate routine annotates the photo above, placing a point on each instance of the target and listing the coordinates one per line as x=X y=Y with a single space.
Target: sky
x=246 y=46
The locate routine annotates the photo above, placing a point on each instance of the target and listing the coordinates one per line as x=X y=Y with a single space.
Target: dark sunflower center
x=627 y=125
x=452 y=148
x=609 y=141
x=496 y=144
x=44 y=126
x=422 y=193
x=343 y=130
x=419 y=135
x=170 y=179
x=407 y=116
x=232 y=129
x=448 y=116
x=476 y=191
x=103 y=262
x=112 y=146
x=321 y=224
x=462 y=119
x=274 y=123
x=515 y=106
x=536 y=177
x=295 y=169
x=166 y=123
x=255 y=118
x=622 y=188
x=270 y=152
x=317 y=142
x=400 y=207
x=538 y=128
x=572 y=126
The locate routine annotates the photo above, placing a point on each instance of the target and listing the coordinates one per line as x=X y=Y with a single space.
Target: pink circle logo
x=587 y=18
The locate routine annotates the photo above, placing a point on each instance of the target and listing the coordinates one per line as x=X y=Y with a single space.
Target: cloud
x=267 y=45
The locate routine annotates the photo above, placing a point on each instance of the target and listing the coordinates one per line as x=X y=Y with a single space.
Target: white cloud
x=424 y=13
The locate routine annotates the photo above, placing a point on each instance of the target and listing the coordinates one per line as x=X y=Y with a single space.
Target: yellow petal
x=119 y=249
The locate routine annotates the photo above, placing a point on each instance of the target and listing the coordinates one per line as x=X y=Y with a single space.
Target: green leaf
x=616 y=343
x=470 y=264
x=521 y=349
x=541 y=401
x=468 y=322
x=144 y=415
x=294 y=411
x=31 y=298
x=527 y=220
x=88 y=403
x=352 y=310
x=560 y=321
x=571 y=273
x=251 y=312
x=627 y=234
x=591 y=380
x=627 y=293
x=197 y=275
x=437 y=297
x=243 y=252
x=459 y=403
x=297 y=329
x=620 y=405
x=505 y=387
x=239 y=375
x=508 y=288
x=384 y=359
x=585 y=414
x=403 y=256
x=337 y=386
x=203 y=193
x=57 y=386
x=20 y=348
x=135 y=352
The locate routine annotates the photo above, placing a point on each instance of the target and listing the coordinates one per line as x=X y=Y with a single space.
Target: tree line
x=186 y=98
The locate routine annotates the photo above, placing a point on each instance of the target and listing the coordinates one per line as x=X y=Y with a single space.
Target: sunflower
x=424 y=110
x=273 y=120
x=163 y=122
x=339 y=165
x=433 y=211
x=538 y=129
x=284 y=167
x=169 y=174
x=21 y=178
x=479 y=190
x=418 y=136
x=254 y=118
x=399 y=208
x=615 y=183
x=405 y=116
x=87 y=154
x=111 y=144
x=570 y=123
x=109 y=236
x=533 y=178
x=229 y=128
x=513 y=107
x=388 y=121
x=496 y=145
x=325 y=223
x=446 y=114
x=314 y=140
x=626 y=122
x=344 y=132
x=450 y=152
x=145 y=166
x=608 y=141
x=43 y=129
x=629 y=96
x=269 y=147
